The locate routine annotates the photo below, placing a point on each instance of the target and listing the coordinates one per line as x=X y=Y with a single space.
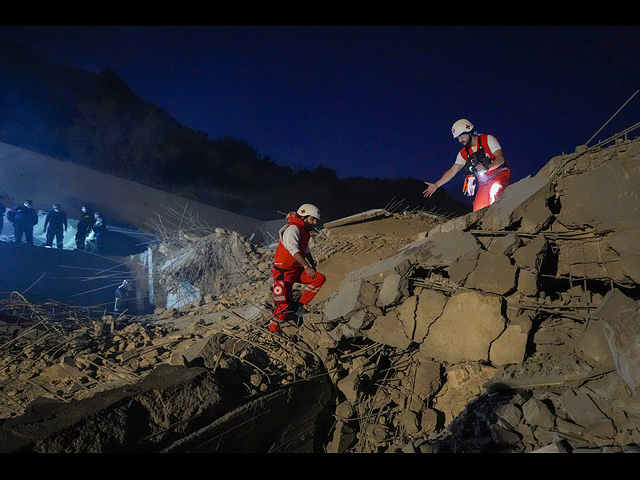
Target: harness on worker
x=475 y=160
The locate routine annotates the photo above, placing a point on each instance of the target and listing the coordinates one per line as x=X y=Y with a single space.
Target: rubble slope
x=512 y=329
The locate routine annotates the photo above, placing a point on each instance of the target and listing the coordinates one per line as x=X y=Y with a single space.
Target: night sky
x=373 y=101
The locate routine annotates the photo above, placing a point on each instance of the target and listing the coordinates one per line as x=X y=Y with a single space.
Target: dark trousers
x=57 y=234
x=19 y=231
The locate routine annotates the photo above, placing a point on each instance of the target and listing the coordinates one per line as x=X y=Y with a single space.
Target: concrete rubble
x=509 y=330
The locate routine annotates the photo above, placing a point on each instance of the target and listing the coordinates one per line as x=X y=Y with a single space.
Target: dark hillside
x=96 y=121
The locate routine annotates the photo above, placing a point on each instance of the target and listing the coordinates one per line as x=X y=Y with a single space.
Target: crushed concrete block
x=406 y=312
x=527 y=282
x=532 y=254
x=625 y=241
x=460 y=269
x=469 y=323
x=357 y=320
x=503 y=436
x=589 y=259
x=510 y=347
x=588 y=199
x=376 y=433
x=458 y=223
x=505 y=245
x=430 y=306
x=442 y=249
x=614 y=325
x=389 y=290
x=494 y=274
x=593 y=344
x=613 y=304
x=509 y=414
x=581 y=408
x=428 y=377
x=623 y=336
x=631 y=267
x=527 y=199
x=367 y=295
x=344 y=301
x=389 y=330
x=537 y=414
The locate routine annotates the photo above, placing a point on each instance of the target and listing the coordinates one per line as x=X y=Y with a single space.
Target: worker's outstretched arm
x=448 y=175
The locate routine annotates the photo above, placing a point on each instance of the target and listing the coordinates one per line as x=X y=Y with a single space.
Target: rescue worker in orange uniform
x=293 y=263
x=482 y=158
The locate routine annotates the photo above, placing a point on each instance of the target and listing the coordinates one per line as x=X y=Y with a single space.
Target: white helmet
x=309 y=209
x=461 y=126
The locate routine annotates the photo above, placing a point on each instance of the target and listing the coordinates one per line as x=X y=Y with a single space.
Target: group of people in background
x=24 y=219
x=91 y=226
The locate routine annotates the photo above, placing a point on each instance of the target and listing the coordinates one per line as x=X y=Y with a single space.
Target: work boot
x=274 y=326
x=298 y=309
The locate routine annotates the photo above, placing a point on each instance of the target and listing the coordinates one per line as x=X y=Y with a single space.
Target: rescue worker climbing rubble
x=487 y=174
x=293 y=263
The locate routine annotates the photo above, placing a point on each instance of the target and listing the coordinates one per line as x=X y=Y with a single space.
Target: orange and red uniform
x=491 y=185
x=286 y=271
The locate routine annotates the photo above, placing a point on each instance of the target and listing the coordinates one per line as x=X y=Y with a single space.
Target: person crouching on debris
x=484 y=163
x=293 y=263
x=125 y=294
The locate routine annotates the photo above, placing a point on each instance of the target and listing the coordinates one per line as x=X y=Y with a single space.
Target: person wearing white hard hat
x=487 y=173
x=293 y=263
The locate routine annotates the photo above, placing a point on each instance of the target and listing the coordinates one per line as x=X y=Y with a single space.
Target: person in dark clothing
x=24 y=219
x=125 y=297
x=55 y=226
x=85 y=224
x=99 y=231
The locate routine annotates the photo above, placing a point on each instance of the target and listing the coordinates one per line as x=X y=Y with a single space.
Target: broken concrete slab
x=623 y=336
x=531 y=254
x=493 y=274
x=525 y=202
x=510 y=347
x=390 y=290
x=359 y=217
x=470 y=322
x=460 y=269
x=625 y=240
x=582 y=409
x=430 y=305
x=590 y=258
x=389 y=330
x=443 y=248
x=527 y=283
x=588 y=199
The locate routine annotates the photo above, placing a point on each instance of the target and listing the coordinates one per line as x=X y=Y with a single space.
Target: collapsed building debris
x=511 y=329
